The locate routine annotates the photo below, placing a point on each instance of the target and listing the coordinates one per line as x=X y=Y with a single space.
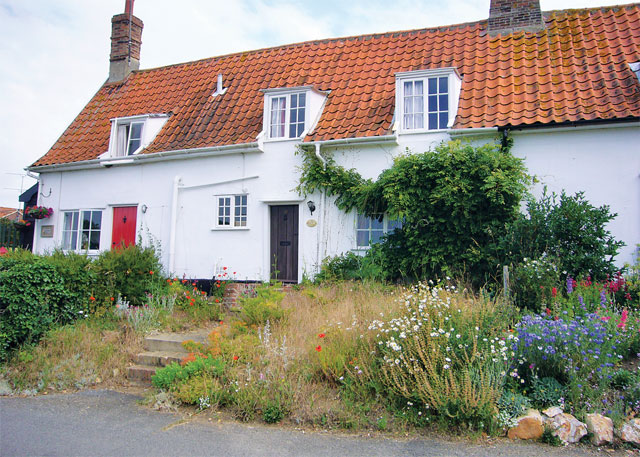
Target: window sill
x=282 y=140
x=229 y=229
x=422 y=131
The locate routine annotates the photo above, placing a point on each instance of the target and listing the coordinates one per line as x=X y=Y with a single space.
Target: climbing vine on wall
x=453 y=200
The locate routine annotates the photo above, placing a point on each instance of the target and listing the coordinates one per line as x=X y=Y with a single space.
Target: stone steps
x=162 y=350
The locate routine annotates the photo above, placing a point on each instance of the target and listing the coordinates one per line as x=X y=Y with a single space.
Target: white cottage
x=200 y=156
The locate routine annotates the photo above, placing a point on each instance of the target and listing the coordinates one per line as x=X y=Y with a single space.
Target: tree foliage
x=453 y=202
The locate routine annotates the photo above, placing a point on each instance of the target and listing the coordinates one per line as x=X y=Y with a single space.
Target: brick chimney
x=509 y=16
x=126 y=38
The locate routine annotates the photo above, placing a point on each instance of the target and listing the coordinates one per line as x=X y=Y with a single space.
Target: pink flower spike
x=623 y=318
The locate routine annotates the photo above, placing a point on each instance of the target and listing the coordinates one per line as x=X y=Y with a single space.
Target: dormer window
x=291 y=112
x=287 y=115
x=129 y=135
x=427 y=99
x=129 y=138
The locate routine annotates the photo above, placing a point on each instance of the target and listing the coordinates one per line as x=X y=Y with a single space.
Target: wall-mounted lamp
x=144 y=209
x=312 y=206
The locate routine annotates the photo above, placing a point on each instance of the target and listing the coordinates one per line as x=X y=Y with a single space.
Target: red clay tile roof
x=10 y=213
x=575 y=70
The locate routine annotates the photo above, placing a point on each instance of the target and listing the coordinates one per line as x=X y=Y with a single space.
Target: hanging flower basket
x=21 y=223
x=38 y=212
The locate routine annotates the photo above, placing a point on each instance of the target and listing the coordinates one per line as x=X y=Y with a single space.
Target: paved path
x=107 y=423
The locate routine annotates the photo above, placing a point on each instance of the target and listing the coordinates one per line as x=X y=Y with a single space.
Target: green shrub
x=512 y=405
x=173 y=375
x=132 y=272
x=341 y=267
x=568 y=229
x=454 y=202
x=263 y=307
x=33 y=297
x=547 y=392
x=535 y=282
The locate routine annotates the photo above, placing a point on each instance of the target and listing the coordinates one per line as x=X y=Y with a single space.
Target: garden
x=419 y=334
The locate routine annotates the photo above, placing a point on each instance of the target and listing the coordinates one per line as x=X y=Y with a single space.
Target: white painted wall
x=605 y=163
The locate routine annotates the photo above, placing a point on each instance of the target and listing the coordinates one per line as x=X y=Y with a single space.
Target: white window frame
x=235 y=203
x=79 y=230
x=453 y=86
x=385 y=229
x=122 y=129
x=273 y=94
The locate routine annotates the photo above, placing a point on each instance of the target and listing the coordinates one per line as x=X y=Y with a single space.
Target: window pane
x=96 y=220
x=444 y=118
x=86 y=220
x=419 y=89
x=443 y=85
x=66 y=240
x=443 y=100
x=408 y=88
x=363 y=222
x=376 y=236
x=244 y=200
x=94 y=242
x=433 y=103
x=376 y=224
x=433 y=86
x=68 y=219
x=433 y=121
x=84 y=244
x=362 y=238
x=74 y=240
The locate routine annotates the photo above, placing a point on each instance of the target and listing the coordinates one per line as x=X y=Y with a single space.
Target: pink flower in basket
x=38 y=212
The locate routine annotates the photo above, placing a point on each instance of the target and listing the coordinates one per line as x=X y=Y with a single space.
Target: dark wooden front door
x=124 y=226
x=284 y=243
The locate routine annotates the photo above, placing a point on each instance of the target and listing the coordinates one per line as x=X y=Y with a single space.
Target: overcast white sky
x=54 y=55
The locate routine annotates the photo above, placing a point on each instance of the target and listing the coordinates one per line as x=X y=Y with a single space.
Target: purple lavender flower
x=603 y=298
x=569 y=284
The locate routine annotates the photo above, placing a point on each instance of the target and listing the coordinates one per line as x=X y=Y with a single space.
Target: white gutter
x=472 y=132
x=545 y=129
x=384 y=139
x=153 y=157
x=174 y=222
x=573 y=128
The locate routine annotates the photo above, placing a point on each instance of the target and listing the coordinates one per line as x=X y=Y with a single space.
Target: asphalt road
x=107 y=423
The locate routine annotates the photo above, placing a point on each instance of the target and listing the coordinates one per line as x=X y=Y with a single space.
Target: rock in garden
x=631 y=432
x=5 y=388
x=553 y=411
x=530 y=427
x=601 y=429
x=567 y=428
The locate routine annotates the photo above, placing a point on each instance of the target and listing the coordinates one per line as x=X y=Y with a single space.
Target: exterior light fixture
x=312 y=206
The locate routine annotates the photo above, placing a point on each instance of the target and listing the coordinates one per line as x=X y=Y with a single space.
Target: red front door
x=124 y=226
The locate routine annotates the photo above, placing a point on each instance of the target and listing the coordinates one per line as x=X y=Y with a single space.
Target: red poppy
x=184 y=281
x=112 y=298
x=235 y=357
x=92 y=298
x=318 y=348
x=224 y=268
x=217 y=301
x=150 y=272
x=221 y=322
x=169 y=281
x=321 y=335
